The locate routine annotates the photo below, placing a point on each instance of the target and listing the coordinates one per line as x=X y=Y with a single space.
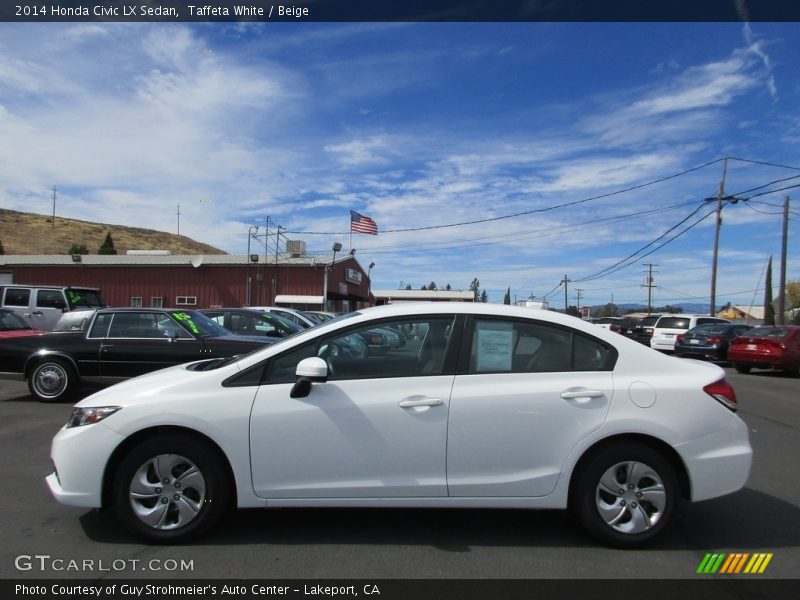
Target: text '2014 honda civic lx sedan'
x=484 y=406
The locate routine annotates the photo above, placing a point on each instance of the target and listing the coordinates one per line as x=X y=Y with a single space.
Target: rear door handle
x=582 y=396
x=420 y=403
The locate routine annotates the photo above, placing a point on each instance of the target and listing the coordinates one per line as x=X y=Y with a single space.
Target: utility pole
x=782 y=282
x=565 y=281
x=53 y=222
x=578 y=294
x=717 y=223
x=649 y=285
x=179 y=219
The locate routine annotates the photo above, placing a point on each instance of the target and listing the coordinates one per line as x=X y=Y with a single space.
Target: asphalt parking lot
x=397 y=544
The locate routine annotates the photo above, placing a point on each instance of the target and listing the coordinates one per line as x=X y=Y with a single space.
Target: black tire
x=53 y=380
x=643 y=511
x=740 y=368
x=793 y=371
x=188 y=505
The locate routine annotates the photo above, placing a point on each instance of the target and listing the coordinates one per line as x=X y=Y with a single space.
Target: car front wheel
x=740 y=368
x=53 y=380
x=624 y=494
x=170 y=488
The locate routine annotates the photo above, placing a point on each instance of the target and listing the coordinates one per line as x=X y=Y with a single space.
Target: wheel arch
x=38 y=357
x=667 y=451
x=133 y=440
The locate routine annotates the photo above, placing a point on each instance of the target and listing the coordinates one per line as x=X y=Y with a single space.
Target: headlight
x=89 y=415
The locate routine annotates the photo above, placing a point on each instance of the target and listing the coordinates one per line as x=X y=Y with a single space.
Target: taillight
x=680 y=339
x=723 y=392
x=714 y=340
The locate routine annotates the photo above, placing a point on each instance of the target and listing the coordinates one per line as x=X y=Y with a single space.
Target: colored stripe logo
x=734 y=563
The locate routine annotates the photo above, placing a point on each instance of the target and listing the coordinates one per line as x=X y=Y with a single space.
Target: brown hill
x=28 y=233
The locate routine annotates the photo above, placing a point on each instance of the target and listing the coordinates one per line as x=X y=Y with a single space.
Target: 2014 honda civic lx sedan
x=486 y=406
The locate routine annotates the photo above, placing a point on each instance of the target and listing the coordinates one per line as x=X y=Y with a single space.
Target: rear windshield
x=711 y=328
x=768 y=332
x=673 y=323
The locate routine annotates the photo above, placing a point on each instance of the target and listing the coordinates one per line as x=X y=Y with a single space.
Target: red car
x=11 y=325
x=770 y=347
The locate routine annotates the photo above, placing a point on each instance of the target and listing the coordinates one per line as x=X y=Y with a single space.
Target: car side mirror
x=309 y=370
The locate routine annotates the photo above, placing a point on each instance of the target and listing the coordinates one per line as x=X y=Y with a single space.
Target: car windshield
x=768 y=332
x=199 y=324
x=84 y=298
x=9 y=321
x=76 y=320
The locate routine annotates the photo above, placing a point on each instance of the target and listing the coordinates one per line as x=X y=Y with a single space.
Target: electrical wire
x=529 y=212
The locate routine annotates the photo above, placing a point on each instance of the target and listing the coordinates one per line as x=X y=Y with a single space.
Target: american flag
x=361 y=224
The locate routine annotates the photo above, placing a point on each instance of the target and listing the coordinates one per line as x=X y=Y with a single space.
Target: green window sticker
x=187 y=320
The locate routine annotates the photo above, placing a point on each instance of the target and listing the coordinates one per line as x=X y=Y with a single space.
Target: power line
x=760 y=162
x=532 y=211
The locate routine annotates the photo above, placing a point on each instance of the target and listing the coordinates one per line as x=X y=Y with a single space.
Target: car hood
x=147 y=387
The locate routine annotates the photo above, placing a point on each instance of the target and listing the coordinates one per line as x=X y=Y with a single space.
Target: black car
x=117 y=344
x=643 y=330
x=709 y=341
x=626 y=326
x=244 y=321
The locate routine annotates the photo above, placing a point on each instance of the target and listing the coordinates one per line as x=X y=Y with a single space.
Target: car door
x=135 y=344
x=48 y=308
x=531 y=392
x=376 y=429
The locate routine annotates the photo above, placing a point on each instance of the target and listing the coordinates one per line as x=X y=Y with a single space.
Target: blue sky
x=419 y=125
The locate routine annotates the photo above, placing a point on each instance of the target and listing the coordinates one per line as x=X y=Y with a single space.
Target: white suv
x=668 y=327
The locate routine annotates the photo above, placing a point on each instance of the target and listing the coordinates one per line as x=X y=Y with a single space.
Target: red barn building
x=169 y=281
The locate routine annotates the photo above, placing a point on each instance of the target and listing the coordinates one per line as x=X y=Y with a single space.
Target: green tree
x=769 y=310
x=484 y=296
x=573 y=310
x=448 y=287
x=507 y=297
x=432 y=286
x=78 y=249
x=475 y=288
x=609 y=310
x=408 y=287
x=108 y=246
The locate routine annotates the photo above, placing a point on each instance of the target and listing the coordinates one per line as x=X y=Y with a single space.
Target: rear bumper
x=719 y=462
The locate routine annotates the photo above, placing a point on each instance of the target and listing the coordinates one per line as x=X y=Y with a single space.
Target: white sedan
x=493 y=407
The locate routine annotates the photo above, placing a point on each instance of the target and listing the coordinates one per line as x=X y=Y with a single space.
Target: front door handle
x=408 y=403
x=582 y=396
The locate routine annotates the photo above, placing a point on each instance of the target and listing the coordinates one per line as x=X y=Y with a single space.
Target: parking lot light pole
x=336 y=247
x=248 y=284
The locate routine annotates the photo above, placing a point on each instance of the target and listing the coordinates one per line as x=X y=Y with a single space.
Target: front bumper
x=80 y=455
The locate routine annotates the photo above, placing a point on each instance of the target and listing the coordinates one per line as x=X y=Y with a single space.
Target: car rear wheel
x=793 y=371
x=52 y=380
x=624 y=494
x=740 y=368
x=170 y=488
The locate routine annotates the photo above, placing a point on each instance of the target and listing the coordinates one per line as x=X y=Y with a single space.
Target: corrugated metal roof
x=173 y=259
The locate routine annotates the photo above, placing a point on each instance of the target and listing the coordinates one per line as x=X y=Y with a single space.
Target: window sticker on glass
x=495 y=343
x=187 y=320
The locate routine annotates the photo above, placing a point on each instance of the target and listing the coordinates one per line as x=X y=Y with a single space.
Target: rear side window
x=673 y=323
x=523 y=347
x=17 y=297
x=768 y=332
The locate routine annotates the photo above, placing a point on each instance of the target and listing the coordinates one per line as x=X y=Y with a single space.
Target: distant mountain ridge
x=29 y=233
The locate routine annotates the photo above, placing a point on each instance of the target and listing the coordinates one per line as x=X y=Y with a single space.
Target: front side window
x=410 y=347
x=50 y=299
x=527 y=347
x=135 y=325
